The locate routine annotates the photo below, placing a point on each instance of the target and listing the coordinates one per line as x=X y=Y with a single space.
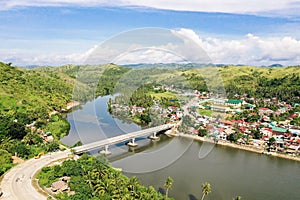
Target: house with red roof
x=265 y=111
x=267 y=132
x=278 y=130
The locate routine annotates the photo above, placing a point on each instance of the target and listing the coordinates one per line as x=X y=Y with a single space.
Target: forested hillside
x=28 y=96
x=282 y=83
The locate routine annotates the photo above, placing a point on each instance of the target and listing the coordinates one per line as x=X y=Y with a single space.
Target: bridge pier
x=132 y=143
x=105 y=150
x=122 y=138
x=154 y=137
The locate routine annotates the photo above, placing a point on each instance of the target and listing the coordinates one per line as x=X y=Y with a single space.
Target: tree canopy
x=93 y=178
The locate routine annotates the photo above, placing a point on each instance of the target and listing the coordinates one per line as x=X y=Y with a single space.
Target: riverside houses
x=257 y=127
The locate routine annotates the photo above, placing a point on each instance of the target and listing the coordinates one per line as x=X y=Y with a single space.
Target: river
x=231 y=172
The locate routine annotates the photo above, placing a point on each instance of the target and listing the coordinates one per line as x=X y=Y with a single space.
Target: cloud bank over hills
x=249 y=49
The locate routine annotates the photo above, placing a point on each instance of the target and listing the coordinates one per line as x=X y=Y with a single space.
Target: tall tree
x=206 y=189
x=237 y=198
x=168 y=185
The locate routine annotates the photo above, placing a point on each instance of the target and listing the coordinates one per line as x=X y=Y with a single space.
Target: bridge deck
x=121 y=138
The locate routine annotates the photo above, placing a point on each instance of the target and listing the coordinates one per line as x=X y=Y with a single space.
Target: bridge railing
x=121 y=138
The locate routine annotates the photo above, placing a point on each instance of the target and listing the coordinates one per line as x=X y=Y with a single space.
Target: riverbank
x=242 y=147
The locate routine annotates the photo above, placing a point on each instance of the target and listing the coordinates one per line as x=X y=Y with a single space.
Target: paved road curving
x=17 y=183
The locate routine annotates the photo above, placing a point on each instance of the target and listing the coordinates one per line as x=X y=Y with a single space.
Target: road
x=17 y=183
x=192 y=102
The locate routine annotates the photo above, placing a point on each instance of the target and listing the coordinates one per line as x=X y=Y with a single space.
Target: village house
x=234 y=103
x=229 y=131
x=293 y=149
x=278 y=130
x=266 y=118
x=61 y=185
x=137 y=110
x=265 y=111
x=47 y=136
x=202 y=120
x=249 y=106
x=174 y=118
x=295 y=132
x=266 y=132
x=257 y=143
x=216 y=101
x=221 y=134
x=220 y=109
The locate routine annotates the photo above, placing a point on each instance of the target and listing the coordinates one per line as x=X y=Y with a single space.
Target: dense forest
x=29 y=96
x=93 y=178
x=282 y=83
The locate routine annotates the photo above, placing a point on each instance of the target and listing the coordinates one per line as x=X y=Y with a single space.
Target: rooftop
x=234 y=101
x=279 y=129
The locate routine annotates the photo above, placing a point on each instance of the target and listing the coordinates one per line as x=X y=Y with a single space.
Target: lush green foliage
x=10 y=128
x=93 y=178
x=5 y=161
x=27 y=96
x=195 y=79
x=206 y=189
x=58 y=126
x=30 y=93
x=202 y=132
x=208 y=113
x=109 y=78
x=140 y=97
x=282 y=83
x=168 y=185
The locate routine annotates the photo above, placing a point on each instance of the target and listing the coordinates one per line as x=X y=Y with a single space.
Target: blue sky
x=57 y=32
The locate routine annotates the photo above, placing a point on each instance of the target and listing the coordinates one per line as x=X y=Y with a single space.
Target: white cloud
x=283 y=7
x=149 y=45
x=22 y=58
x=149 y=55
x=249 y=50
x=8 y=4
x=229 y=6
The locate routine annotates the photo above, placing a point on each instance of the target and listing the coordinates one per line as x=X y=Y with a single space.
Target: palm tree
x=237 y=198
x=101 y=187
x=133 y=184
x=206 y=189
x=168 y=185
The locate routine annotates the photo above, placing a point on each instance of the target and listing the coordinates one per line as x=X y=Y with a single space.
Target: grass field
x=208 y=113
x=231 y=72
x=168 y=95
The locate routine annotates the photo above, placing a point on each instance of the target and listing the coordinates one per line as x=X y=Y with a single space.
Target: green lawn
x=168 y=95
x=208 y=113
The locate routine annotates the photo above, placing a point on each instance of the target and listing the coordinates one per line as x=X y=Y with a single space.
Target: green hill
x=28 y=95
x=32 y=92
x=281 y=82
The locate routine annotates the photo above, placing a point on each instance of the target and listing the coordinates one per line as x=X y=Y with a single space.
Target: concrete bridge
x=121 y=138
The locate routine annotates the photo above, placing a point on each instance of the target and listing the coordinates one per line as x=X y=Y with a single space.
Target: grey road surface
x=17 y=183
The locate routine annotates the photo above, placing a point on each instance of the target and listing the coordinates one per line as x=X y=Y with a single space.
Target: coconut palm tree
x=168 y=185
x=206 y=189
x=237 y=198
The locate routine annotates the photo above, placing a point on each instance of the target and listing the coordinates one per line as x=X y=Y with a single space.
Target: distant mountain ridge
x=194 y=65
